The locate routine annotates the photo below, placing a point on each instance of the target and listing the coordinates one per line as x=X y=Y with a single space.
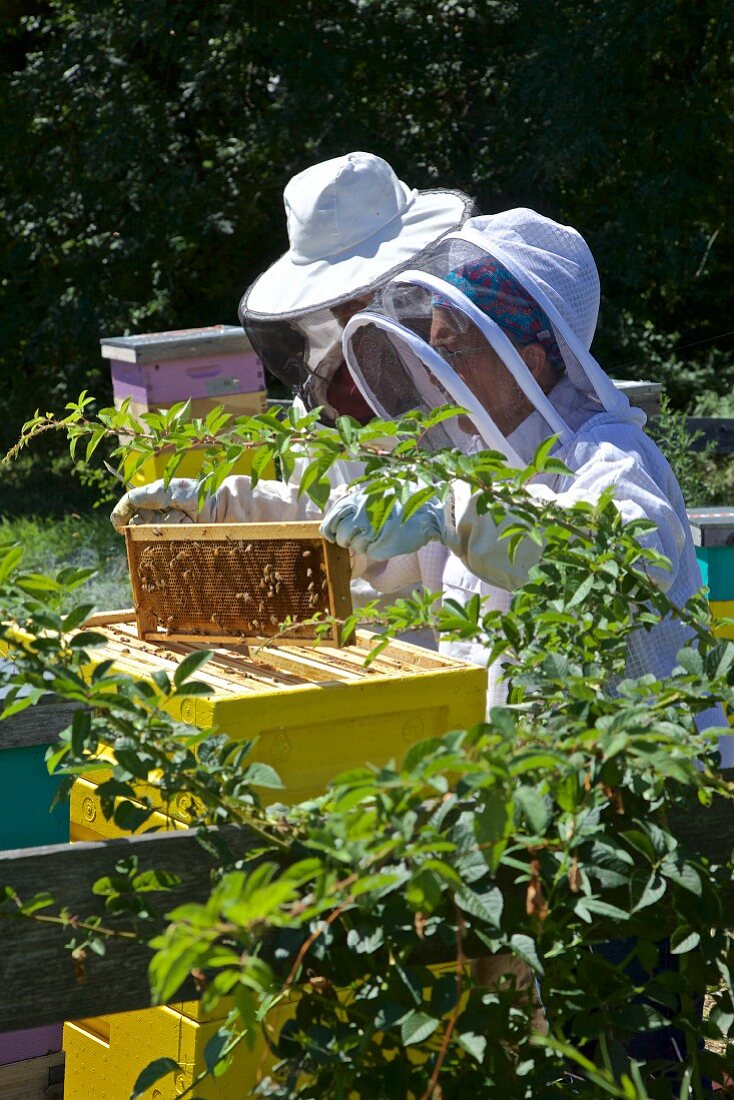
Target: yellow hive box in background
x=315 y=713
x=155 y=467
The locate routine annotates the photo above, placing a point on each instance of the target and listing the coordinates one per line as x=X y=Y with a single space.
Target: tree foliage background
x=147 y=145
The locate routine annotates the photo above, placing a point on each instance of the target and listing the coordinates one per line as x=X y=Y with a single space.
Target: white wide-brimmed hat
x=351 y=223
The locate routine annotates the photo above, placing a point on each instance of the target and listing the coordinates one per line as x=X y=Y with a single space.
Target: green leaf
x=684 y=940
x=534 y=808
x=526 y=949
x=262 y=775
x=190 y=664
x=683 y=874
x=153 y=1072
x=653 y=891
x=417 y=501
x=601 y=908
x=139 y=766
x=9 y=558
x=473 y=1044
x=416 y=1027
x=130 y=817
x=81 y=725
x=76 y=617
x=214 y=1056
x=37 y=584
x=691 y=661
x=486 y=907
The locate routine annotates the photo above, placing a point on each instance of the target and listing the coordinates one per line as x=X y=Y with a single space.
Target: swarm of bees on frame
x=204 y=587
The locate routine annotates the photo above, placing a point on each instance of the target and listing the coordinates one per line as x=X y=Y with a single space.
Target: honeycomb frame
x=237 y=582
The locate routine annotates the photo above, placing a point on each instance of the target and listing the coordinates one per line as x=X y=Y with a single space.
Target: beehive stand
x=237 y=582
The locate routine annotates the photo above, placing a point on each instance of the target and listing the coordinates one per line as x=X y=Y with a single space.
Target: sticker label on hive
x=222 y=385
x=278 y=748
x=188 y=710
x=414 y=729
x=184 y=805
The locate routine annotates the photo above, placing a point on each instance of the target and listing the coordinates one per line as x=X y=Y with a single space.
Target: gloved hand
x=153 y=504
x=347 y=523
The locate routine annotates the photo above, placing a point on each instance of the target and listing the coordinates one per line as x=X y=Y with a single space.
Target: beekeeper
x=500 y=317
x=352 y=225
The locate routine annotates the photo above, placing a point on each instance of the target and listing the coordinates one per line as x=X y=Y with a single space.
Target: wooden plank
x=37 y=725
x=716 y=429
x=338 y=576
x=107 y=618
x=296 y=662
x=34 y=1078
x=408 y=656
x=36 y=971
x=249 y=640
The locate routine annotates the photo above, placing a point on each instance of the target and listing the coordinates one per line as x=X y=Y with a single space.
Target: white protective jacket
x=468 y=294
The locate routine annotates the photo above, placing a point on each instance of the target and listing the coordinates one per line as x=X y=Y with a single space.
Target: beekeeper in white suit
x=352 y=225
x=501 y=317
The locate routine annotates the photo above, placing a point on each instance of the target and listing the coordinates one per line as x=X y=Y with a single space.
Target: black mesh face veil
x=281 y=352
x=302 y=348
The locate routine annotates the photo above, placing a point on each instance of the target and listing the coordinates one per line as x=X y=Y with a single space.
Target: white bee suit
x=466 y=283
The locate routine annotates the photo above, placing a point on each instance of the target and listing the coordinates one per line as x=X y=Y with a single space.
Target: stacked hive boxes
x=713 y=534
x=30 y=1060
x=208 y=366
x=314 y=712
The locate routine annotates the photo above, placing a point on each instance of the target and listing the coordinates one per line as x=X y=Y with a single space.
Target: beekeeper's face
x=345 y=310
x=481 y=368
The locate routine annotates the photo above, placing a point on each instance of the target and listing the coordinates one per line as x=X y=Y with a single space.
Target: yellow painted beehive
x=314 y=713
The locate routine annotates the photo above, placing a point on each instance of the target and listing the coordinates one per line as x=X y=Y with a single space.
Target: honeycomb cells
x=193 y=586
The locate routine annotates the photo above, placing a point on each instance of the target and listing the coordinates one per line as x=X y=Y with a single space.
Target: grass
x=86 y=540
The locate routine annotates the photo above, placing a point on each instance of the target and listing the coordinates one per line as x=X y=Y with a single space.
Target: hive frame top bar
x=292 y=529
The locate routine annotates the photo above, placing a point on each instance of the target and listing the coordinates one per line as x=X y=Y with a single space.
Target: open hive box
x=244 y=581
x=312 y=713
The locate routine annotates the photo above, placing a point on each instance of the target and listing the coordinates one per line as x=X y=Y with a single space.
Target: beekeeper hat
x=351 y=223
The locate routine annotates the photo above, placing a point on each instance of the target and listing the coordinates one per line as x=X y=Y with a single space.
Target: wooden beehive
x=237 y=582
x=311 y=714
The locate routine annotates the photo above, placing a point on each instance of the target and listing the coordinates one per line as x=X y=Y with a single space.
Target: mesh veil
x=302 y=349
x=469 y=312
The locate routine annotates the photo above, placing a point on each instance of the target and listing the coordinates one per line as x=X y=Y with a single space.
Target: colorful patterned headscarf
x=497 y=293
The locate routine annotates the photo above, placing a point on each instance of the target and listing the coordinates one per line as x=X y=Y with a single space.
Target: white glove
x=178 y=503
x=347 y=523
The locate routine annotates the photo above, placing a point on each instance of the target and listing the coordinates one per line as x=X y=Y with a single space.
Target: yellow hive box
x=236 y=404
x=155 y=467
x=314 y=713
x=723 y=609
x=104 y=1056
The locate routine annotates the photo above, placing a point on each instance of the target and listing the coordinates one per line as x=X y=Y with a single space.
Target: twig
x=460 y=967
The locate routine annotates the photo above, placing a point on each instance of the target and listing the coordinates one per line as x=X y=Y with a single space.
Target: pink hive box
x=17 y=1046
x=158 y=369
